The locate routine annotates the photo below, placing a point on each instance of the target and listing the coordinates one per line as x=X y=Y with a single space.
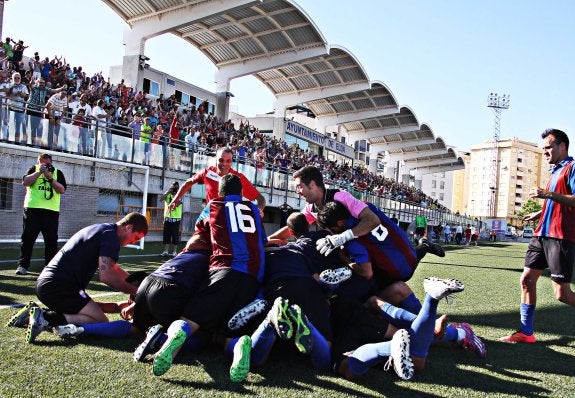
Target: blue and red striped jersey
x=557 y=220
x=393 y=258
x=236 y=233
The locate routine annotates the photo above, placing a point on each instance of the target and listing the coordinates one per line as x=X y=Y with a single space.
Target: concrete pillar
x=418 y=179
x=372 y=166
x=223 y=99
x=132 y=73
x=405 y=179
x=279 y=128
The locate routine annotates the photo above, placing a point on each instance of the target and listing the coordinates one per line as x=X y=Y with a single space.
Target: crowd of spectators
x=164 y=121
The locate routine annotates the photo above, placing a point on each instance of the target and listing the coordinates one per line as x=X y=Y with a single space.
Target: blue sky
x=441 y=58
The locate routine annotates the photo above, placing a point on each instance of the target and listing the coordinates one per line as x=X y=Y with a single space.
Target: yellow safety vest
x=176 y=213
x=145 y=133
x=41 y=195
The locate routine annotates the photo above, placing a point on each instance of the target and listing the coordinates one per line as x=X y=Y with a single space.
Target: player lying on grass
x=360 y=336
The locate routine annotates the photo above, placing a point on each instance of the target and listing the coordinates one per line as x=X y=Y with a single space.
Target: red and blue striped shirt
x=558 y=220
x=237 y=235
x=392 y=257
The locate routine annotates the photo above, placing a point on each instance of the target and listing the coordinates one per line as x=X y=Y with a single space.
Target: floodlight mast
x=497 y=103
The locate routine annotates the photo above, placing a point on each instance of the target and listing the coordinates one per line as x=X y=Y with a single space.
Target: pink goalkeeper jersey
x=354 y=205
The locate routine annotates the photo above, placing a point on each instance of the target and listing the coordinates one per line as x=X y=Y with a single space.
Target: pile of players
x=339 y=292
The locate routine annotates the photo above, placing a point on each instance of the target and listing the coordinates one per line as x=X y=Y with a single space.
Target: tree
x=531 y=206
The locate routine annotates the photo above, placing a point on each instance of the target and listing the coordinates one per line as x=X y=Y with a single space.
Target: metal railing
x=94 y=138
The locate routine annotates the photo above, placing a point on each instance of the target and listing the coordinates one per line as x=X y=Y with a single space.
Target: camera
x=49 y=168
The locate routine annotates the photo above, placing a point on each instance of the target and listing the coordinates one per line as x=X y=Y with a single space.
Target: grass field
x=98 y=367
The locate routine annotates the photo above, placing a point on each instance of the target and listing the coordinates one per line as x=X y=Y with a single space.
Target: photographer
x=172 y=220
x=44 y=185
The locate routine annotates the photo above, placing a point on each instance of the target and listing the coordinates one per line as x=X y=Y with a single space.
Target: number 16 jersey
x=237 y=235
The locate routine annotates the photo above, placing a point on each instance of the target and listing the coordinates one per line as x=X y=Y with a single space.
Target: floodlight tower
x=497 y=103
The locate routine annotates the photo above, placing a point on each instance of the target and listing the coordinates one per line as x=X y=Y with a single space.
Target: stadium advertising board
x=307 y=134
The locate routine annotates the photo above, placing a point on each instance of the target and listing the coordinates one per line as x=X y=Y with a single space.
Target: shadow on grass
x=289 y=370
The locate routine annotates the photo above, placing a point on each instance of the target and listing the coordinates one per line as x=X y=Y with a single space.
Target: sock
x=229 y=351
x=397 y=316
x=116 y=329
x=320 y=353
x=411 y=303
x=327 y=288
x=54 y=318
x=192 y=343
x=527 y=318
x=263 y=340
x=178 y=325
x=451 y=333
x=367 y=356
x=422 y=328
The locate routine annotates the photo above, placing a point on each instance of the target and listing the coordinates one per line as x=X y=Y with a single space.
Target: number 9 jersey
x=237 y=236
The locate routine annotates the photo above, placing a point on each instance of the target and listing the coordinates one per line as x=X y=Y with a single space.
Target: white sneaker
x=165 y=254
x=335 y=276
x=400 y=356
x=245 y=314
x=440 y=288
x=66 y=331
x=175 y=253
x=153 y=336
x=21 y=271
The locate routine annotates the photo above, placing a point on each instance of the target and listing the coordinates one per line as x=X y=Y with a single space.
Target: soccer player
x=300 y=308
x=362 y=338
x=553 y=243
x=379 y=258
x=309 y=184
x=236 y=236
x=62 y=283
x=211 y=177
x=159 y=301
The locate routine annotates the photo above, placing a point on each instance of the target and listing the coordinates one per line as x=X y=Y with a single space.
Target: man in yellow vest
x=172 y=220
x=145 y=137
x=420 y=227
x=44 y=185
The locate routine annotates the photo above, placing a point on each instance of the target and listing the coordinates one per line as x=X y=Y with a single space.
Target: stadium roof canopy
x=226 y=32
x=276 y=42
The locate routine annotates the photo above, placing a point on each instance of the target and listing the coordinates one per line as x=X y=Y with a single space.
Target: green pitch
x=99 y=367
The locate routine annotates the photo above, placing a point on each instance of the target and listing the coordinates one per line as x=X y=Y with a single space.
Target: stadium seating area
x=189 y=129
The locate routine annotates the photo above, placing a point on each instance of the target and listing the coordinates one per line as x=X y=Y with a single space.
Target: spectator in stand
x=35 y=108
x=191 y=140
x=4 y=84
x=136 y=126
x=7 y=46
x=18 y=55
x=83 y=125
x=55 y=108
x=17 y=94
x=101 y=116
x=145 y=137
x=79 y=120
